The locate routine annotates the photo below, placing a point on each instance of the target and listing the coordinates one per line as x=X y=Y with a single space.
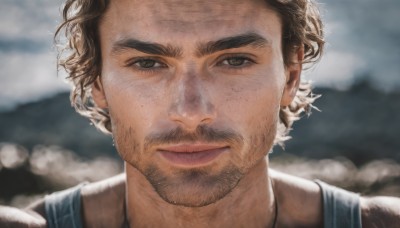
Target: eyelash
x=133 y=62
x=246 y=62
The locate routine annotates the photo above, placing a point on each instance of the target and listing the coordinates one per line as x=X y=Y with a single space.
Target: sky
x=363 y=42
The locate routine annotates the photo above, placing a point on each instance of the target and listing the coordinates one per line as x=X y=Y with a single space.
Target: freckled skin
x=190 y=92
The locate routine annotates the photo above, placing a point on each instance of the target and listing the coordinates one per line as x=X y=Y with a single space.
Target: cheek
x=130 y=122
x=247 y=103
x=130 y=104
x=252 y=108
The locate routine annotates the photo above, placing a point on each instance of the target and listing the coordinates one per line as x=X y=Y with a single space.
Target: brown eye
x=145 y=63
x=236 y=61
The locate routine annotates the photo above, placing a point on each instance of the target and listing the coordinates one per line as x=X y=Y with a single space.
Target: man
x=195 y=95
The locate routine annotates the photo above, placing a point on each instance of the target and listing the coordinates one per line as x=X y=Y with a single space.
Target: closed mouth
x=190 y=155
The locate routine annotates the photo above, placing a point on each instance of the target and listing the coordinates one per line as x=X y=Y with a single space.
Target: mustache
x=202 y=133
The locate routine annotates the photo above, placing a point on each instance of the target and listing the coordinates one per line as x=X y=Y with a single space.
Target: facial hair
x=195 y=187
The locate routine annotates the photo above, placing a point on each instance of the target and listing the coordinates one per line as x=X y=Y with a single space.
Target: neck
x=253 y=195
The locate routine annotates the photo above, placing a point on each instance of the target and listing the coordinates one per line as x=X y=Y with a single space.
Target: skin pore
x=188 y=76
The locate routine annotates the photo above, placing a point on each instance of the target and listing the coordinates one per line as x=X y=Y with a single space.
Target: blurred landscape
x=353 y=142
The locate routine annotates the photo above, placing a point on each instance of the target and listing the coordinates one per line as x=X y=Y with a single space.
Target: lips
x=190 y=155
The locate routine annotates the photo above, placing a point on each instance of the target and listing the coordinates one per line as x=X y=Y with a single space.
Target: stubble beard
x=196 y=187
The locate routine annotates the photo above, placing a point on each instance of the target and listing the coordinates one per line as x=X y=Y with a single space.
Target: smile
x=191 y=155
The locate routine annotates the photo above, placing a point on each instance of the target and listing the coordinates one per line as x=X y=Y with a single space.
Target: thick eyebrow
x=146 y=47
x=247 y=39
x=203 y=49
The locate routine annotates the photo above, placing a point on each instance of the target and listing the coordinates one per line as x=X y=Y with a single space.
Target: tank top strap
x=341 y=207
x=63 y=208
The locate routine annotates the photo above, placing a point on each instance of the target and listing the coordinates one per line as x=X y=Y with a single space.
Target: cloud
x=22 y=45
x=368 y=31
x=34 y=20
x=336 y=70
x=28 y=77
x=27 y=63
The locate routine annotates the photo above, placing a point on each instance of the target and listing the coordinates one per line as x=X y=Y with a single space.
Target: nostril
x=192 y=105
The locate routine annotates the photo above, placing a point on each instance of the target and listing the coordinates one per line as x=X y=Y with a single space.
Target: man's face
x=193 y=89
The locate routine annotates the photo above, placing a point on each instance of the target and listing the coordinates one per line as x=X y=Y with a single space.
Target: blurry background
x=353 y=142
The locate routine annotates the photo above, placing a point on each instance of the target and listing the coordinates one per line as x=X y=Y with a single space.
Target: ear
x=293 y=73
x=98 y=94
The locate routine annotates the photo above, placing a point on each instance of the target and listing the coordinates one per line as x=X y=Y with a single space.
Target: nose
x=191 y=104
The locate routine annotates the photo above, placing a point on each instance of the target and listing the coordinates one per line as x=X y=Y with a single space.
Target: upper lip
x=191 y=148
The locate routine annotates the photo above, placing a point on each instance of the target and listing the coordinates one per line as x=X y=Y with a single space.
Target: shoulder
x=380 y=211
x=377 y=211
x=31 y=216
x=105 y=198
x=299 y=200
x=28 y=217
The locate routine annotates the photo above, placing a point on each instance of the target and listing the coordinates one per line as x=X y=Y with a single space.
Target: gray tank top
x=341 y=208
x=63 y=209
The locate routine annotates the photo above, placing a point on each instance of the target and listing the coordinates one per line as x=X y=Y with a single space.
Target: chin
x=195 y=187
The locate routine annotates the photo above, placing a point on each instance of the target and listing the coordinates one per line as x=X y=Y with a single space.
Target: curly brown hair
x=80 y=56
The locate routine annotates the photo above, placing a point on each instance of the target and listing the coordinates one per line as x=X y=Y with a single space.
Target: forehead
x=168 y=20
